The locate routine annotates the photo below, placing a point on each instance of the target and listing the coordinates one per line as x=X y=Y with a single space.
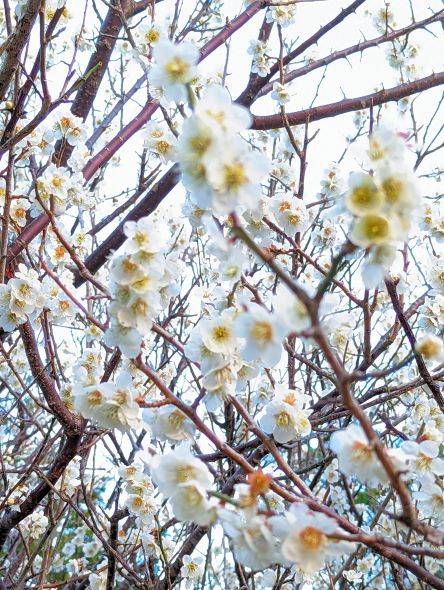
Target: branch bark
x=14 y=45
x=349 y=105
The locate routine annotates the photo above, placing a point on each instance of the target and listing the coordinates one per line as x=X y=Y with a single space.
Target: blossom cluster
x=141 y=279
x=218 y=169
x=25 y=296
x=383 y=202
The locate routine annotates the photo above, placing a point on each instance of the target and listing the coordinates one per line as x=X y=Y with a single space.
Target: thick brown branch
x=351 y=104
x=71 y=424
x=14 y=45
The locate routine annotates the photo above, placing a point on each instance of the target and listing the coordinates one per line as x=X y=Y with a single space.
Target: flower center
x=221 y=333
x=138 y=502
x=294 y=219
x=59 y=252
x=361 y=451
x=177 y=69
x=284 y=206
x=429 y=348
x=184 y=474
x=283 y=419
x=194 y=498
x=128 y=265
x=392 y=188
x=152 y=36
x=199 y=144
x=365 y=196
x=262 y=332
x=375 y=227
x=312 y=538
x=140 y=307
x=162 y=146
x=25 y=290
x=95 y=397
x=376 y=151
x=234 y=176
x=290 y=398
x=424 y=462
x=141 y=238
x=176 y=419
x=64 y=305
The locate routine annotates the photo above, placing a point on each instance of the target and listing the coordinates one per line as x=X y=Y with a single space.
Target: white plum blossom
x=186 y=481
x=218 y=334
x=112 y=405
x=174 y=68
x=161 y=142
x=192 y=569
x=431 y=347
x=384 y=203
x=168 y=422
x=254 y=544
x=282 y=15
x=356 y=455
x=218 y=169
x=308 y=538
x=290 y=213
x=284 y=416
x=423 y=457
x=262 y=333
x=141 y=279
x=280 y=94
x=431 y=498
x=261 y=62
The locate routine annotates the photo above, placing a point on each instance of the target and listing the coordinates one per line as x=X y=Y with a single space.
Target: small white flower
x=179 y=467
x=291 y=214
x=262 y=333
x=306 y=540
x=215 y=108
x=254 y=544
x=373 y=229
x=149 y=544
x=144 y=235
x=282 y=15
x=161 y=142
x=352 y=575
x=174 y=68
x=284 y=417
x=423 y=457
x=186 y=480
x=192 y=569
x=218 y=334
x=385 y=145
x=235 y=178
x=356 y=455
x=431 y=499
x=169 y=422
x=377 y=265
x=431 y=347
x=364 y=196
x=280 y=94
x=111 y=405
x=128 y=340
